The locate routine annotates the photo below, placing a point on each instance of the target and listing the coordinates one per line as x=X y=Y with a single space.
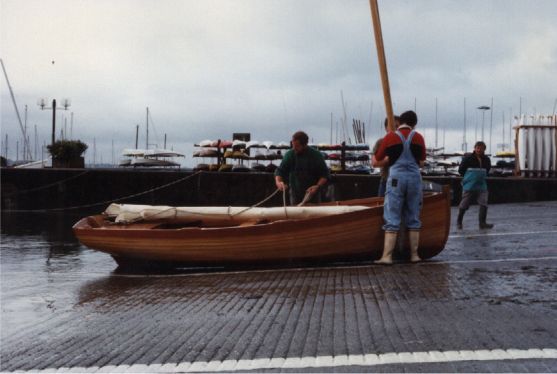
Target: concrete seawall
x=46 y=189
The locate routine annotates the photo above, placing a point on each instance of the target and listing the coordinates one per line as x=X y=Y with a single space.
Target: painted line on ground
x=363 y=360
x=502 y=234
x=527 y=259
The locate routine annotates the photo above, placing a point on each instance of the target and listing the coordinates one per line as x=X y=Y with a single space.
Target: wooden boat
x=352 y=236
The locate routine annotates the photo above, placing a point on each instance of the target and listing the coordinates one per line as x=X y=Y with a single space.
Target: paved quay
x=487 y=303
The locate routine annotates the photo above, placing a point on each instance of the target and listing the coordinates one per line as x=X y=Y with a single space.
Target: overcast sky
x=209 y=68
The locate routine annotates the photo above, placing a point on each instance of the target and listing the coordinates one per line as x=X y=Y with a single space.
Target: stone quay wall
x=94 y=189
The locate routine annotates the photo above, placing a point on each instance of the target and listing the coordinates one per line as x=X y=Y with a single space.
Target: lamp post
x=65 y=105
x=483 y=108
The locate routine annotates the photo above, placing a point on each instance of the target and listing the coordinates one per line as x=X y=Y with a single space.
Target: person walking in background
x=404 y=150
x=385 y=169
x=474 y=169
x=305 y=170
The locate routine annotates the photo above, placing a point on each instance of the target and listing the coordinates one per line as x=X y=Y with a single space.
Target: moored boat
x=348 y=235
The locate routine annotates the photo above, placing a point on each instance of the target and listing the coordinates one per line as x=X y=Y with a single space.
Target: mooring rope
x=284 y=203
x=306 y=198
x=256 y=205
x=46 y=185
x=103 y=202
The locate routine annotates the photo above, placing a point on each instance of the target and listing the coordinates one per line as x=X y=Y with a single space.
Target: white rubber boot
x=390 y=241
x=414 y=239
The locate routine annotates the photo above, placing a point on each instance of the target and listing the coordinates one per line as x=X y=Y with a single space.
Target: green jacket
x=302 y=170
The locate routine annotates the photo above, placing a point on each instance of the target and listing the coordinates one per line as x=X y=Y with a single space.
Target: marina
x=277 y=228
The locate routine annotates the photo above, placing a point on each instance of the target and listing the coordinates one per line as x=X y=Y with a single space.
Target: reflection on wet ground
x=486 y=290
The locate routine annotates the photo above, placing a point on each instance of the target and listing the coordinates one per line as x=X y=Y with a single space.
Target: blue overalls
x=404 y=190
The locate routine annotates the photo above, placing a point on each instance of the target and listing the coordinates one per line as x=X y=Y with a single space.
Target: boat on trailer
x=304 y=235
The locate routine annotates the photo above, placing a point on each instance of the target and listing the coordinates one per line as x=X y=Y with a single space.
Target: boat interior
x=103 y=221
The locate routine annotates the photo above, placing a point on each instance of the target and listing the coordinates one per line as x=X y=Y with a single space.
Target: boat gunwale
x=83 y=225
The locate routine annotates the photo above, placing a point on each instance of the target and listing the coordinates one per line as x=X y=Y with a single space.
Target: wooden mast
x=382 y=62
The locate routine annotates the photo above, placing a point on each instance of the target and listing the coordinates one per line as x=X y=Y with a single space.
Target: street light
x=483 y=108
x=42 y=104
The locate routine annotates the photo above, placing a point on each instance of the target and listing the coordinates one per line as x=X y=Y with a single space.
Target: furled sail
x=216 y=216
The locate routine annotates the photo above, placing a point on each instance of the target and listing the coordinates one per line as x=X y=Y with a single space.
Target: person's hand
x=312 y=189
x=282 y=186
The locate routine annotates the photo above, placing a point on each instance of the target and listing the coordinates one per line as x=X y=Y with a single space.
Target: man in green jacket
x=305 y=170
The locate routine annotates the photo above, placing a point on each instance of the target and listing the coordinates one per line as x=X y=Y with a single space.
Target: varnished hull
x=349 y=236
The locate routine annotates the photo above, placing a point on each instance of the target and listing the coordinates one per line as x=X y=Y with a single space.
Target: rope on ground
x=45 y=186
x=104 y=202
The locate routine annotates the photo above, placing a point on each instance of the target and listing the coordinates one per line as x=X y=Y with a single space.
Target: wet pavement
x=487 y=303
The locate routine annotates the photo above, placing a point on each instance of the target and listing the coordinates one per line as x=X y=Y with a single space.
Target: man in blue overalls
x=404 y=150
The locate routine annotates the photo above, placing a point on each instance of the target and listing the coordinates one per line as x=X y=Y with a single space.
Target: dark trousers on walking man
x=467 y=199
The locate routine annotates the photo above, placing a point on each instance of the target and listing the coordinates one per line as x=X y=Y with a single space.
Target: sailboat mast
x=147 y=129
x=382 y=63
x=13 y=99
x=436 y=125
x=136 y=135
x=370 y=118
x=36 y=143
x=464 y=145
x=25 y=134
x=503 y=131
x=331 y=141
x=511 y=129
x=344 y=118
x=491 y=127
